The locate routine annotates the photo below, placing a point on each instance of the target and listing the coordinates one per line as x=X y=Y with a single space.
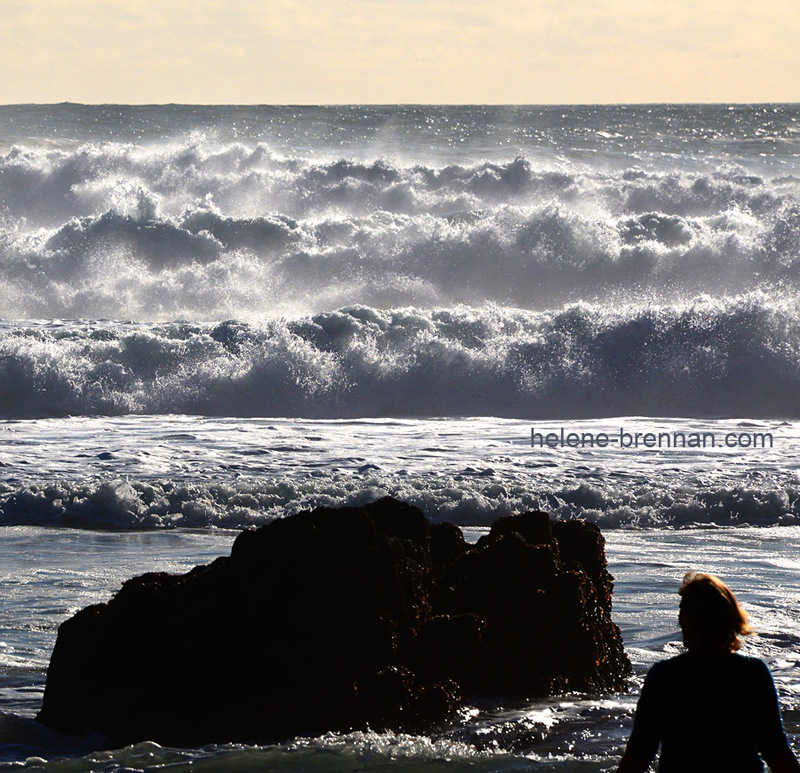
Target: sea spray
x=708 y=357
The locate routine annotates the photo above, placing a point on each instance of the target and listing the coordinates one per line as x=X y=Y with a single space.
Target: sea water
x=217 y=316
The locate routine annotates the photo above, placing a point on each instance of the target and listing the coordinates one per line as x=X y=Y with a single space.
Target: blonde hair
x=710 y=615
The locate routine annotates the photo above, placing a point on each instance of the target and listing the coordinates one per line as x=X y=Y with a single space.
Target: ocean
x=212 y=317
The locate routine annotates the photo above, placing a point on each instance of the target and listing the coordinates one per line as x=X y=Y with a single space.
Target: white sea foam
x=708 y=357
x=162 y=472
x=394 y=263
x=203 y=230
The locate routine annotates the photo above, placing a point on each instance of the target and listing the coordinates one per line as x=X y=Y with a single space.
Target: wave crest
x=208 y=231
x=730 y=357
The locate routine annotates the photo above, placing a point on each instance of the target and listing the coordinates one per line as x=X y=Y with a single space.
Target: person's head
x=710 y=616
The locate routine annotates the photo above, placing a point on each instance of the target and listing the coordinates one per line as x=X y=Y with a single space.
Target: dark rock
x=447 y=544
x=449 y=647
x=584 y=544
x=535 y=528
x=335 y=619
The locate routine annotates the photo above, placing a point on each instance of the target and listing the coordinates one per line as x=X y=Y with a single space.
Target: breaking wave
x=709 y=357
x=204 y=230
x=163 y=504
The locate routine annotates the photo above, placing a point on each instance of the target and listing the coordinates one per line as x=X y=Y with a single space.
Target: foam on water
x=185 y=471
x=725 y=357
x=562 y=265
x=699 y=135
x=203 y=231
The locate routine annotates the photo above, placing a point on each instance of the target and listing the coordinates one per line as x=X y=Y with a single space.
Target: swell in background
x=529 y=262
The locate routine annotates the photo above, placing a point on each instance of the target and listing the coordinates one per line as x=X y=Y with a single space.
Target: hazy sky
x=390 y=51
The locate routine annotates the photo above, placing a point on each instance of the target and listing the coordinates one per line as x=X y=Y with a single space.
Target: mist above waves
x=208 y=231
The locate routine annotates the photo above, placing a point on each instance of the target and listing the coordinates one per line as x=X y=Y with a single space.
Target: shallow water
x=53 y=572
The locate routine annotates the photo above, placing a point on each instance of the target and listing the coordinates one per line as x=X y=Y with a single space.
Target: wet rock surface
x=341 y=618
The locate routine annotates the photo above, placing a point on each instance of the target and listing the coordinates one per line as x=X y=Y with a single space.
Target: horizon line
x=70 y=103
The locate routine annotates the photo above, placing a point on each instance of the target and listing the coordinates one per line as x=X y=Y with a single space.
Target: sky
x=399 y=51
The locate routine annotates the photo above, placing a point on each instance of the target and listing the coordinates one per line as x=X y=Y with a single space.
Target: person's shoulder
x=690 y=662
x=663 y=668
x=751 y=663
x=676 y=661
x=746 y=661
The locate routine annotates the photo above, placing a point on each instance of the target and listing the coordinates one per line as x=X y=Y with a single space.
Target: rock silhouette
x=336 y=619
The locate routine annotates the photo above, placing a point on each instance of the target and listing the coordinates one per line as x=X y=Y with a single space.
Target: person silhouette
x=710 y=709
